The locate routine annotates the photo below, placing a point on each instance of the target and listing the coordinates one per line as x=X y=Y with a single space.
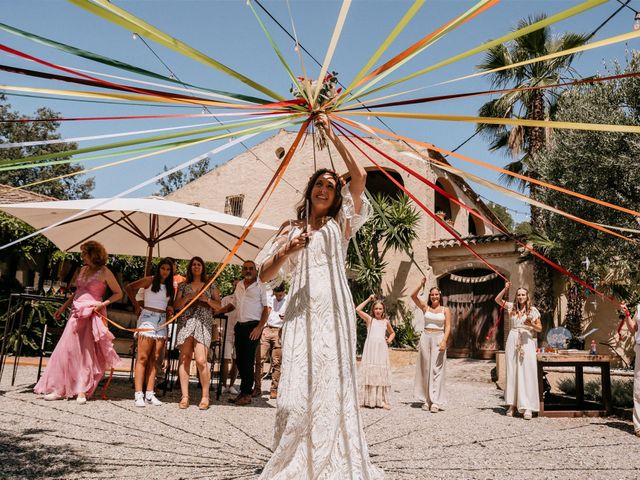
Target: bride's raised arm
x=357 y=173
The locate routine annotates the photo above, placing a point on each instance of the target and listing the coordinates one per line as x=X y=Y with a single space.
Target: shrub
x=621 y=391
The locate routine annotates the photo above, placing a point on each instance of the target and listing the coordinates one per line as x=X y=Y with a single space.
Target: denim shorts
x=149 y=319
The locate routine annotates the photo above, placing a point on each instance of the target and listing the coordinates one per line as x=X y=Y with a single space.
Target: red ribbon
x=490 y=92
x=474 y=213
x=413 y=197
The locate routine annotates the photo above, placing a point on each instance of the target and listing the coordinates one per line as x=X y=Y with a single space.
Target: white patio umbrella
x=144 y=226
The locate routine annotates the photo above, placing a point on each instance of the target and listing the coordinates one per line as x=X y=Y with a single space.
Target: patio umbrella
x=144 y=226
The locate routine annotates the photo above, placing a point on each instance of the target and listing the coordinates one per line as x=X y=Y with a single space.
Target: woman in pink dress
x=85 y=350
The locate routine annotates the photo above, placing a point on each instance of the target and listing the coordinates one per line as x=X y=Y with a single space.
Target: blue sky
x=227 y=31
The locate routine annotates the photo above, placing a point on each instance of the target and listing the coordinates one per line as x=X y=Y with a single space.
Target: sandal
x=204 y=403
x=184 y=403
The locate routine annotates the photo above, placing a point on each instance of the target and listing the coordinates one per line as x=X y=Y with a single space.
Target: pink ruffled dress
x=85 y=350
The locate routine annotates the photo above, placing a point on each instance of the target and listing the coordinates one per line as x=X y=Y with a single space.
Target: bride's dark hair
x=301 y=209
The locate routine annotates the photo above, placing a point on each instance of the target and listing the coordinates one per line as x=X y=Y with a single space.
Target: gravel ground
x=471 y=439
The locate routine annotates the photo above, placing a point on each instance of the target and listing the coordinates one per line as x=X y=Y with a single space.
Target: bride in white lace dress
x=318 y=431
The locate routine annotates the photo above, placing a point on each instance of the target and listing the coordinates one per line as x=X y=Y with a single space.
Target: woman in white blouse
x=521 y=390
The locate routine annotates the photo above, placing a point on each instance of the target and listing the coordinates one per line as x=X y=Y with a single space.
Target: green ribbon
x=118 y=64
x=125 y=143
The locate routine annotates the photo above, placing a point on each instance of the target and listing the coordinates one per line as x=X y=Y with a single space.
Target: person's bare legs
x=143 y=356
x=186 y=352
x=153 y=364
x=201 y=352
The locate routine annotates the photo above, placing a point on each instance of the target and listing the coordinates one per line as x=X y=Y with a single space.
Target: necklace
x=321 y=222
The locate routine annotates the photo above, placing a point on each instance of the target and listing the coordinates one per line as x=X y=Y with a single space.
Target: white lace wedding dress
x=318 y=431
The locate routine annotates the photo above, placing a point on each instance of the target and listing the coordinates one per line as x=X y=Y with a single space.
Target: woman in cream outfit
x=521 y=391
x=429 y=384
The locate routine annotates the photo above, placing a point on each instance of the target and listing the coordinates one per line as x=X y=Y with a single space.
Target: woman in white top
x=158 y=301
x=632 y=325
x=375 y=369
x=429 y=384
x=521 y=391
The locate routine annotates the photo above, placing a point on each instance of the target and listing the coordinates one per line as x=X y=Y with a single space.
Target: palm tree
x=524 y=144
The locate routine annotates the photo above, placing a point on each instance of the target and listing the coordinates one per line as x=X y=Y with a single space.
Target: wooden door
x=470 y=294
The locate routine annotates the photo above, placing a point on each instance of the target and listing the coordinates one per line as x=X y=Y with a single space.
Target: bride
x=318 y=431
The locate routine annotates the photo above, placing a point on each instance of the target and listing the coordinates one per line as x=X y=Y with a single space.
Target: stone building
x=469 y=287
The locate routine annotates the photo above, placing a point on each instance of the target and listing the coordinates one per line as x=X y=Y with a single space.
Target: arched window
x=442 y=204
x=379 y=183
x=476 y=227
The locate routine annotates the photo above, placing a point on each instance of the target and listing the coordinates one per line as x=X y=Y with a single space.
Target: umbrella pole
x=150 y=243
x=148 y=264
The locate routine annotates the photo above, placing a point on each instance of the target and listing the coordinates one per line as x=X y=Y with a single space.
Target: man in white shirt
x=271 y=338
x=253 y=309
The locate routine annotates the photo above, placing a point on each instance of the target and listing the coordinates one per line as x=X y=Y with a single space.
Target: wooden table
x=581 y=408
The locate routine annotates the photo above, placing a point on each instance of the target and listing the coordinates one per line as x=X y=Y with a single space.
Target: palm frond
x=517 y=166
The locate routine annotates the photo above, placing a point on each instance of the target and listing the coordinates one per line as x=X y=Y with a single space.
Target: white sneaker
x=139 y=399
x=52 y=396
x=150 y=397
x=233 y=391
x=528 y=415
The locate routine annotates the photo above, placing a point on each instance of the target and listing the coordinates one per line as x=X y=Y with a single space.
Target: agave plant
x=392 y=227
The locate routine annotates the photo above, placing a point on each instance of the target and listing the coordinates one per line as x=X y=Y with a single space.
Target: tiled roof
x=452 y=242
x=7 y=195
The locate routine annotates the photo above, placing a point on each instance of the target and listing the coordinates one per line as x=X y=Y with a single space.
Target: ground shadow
x=24 y=456
x=625 y=427
x=499 y=410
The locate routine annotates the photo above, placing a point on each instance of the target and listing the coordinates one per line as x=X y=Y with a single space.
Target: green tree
x=502 y=213
x=605 y=166
x=525 y=144
x=71 y=187
x=179 y=179
x=523 y=228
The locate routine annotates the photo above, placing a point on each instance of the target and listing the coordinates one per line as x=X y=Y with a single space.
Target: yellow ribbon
x=120 y=96
x=570 y=51
x=427 y=41
x=262 y=128
x=456 y=171
x=565 y=14
x=597 y=127
x=400 y=26
x=342 y=16
x=132 y=23
x=494 y=168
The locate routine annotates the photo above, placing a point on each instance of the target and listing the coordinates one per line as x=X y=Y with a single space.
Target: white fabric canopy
x=131 y=226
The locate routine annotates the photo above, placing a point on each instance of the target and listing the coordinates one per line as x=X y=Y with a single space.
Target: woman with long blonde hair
x=521 y=391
